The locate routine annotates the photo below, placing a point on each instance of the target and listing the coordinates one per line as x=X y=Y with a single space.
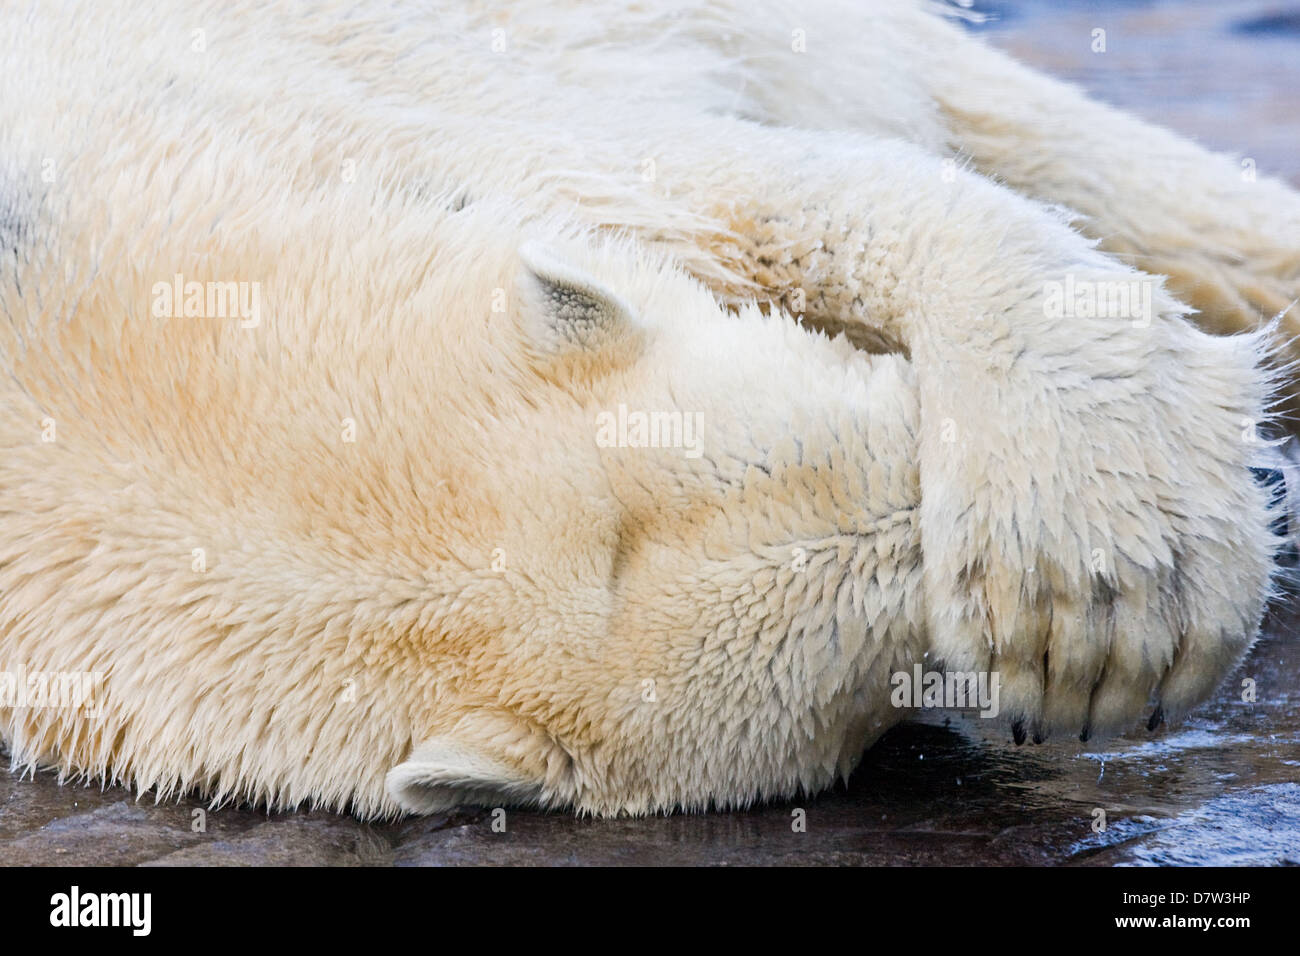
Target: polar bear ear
x=569 y=309
x=442 y=773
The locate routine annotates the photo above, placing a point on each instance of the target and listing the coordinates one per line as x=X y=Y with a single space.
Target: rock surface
x=950 y=788
x=1224 y=72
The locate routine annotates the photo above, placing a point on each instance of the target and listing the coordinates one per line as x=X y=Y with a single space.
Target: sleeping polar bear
x=593 y=405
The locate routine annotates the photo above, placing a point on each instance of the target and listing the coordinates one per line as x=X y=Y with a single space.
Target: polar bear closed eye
x=532 y=482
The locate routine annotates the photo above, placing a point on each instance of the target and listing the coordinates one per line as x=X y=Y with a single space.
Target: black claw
x=1157 y=717
x=1018 y=732
x=1039 y=736
x=1085 y=734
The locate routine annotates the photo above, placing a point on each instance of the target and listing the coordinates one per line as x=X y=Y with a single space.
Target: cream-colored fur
x=367 y=547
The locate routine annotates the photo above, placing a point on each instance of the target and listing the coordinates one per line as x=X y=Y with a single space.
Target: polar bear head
x=680 y=555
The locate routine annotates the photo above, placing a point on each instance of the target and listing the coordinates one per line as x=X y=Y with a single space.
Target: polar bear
x=593 y=405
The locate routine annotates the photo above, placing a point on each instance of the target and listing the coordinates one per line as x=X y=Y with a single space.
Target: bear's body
x=390 y=536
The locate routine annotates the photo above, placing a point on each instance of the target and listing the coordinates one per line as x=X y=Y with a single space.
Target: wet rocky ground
x=1221 y=788
x=1224 y=72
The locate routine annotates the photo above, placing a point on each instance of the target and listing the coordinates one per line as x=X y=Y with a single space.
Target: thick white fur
x=474 y=601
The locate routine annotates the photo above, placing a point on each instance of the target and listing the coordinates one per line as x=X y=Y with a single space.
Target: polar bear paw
x=1096 y=538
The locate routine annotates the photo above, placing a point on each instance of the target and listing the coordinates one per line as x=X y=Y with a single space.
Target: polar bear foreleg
x=1089 y=523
